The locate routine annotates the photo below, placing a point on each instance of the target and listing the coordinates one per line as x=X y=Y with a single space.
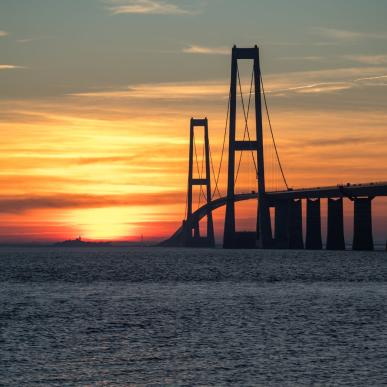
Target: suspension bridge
x=287 y=203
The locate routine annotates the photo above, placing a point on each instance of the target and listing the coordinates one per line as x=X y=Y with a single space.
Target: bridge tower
x=264 y=236
x=196 y=240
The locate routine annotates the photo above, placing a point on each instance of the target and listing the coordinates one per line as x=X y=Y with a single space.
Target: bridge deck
x=338 y=191
x=347 y=190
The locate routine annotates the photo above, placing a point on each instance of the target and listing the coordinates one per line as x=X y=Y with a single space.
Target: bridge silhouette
x=287 y=204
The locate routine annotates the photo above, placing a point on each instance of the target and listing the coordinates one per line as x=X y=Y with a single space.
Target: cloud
x=10 y=67
x=304 y=82
x=22 y=203
x=343 y=141
x=3 y=33
x=193 y=49
x=106 y=159
x=29 y=40
x=178 y=90
x=371 y=78
x=346 y=35
x=368 y=59
x=304 y=58
x=322 y=87
x=324 y=81
x=118 y=7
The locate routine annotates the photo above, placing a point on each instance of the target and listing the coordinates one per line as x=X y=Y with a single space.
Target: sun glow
x=112 y=223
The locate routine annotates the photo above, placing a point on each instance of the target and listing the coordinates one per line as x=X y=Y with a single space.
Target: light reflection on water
x=192 y=317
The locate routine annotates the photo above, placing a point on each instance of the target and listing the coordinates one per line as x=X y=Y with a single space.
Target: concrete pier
x=362 y=225
x=295 y=225
x=335 y=233
x=196 y=231
x=281 y=229
x=313 y=225
x=245 y=240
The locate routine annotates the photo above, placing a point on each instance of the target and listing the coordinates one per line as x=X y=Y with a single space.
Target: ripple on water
x=192 y=317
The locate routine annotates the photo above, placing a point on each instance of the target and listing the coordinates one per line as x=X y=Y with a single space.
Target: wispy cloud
x=178 y=90
x=117 y=7
x=3 y=33
x=368 y=59
x=306 y=82
x=22 y=203
x=304 y=58
x=347 y=35
x=194 y=49
x=33 y=39
x=321 y=87
x=10 y=67
x=371 y=78
x=325 y=81
x=27 y=40
x=342 y=141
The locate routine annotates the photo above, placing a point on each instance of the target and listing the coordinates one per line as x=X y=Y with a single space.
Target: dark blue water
x=170 y=317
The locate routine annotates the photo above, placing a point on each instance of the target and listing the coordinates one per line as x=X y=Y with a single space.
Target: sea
x=144 y=316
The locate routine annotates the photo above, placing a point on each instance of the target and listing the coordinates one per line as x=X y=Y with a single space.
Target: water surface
x=179 y=317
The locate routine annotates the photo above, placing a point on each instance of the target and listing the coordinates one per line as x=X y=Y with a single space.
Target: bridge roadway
x=339 y=191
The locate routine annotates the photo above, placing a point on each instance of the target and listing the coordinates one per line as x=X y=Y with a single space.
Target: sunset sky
x=96 y=97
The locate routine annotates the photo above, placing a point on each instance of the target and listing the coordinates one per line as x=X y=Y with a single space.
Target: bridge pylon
x=231 y=239
x=192 y=237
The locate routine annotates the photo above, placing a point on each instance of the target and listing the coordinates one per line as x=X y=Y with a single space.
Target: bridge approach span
x=351 y=191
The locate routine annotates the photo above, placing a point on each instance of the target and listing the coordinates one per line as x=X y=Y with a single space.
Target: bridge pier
x=295 y=227
x=313 y=225
x=288 y=224
x=281 y=234
x=362 y=224
x=335 y=232
x=264 y=234
x=229 y=225
x=196 y=229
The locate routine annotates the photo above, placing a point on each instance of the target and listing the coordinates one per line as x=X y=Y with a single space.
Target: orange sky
x=115 y=167
x=94 y=112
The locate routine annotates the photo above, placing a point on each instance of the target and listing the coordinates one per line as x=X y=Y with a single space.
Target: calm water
x=160 y=317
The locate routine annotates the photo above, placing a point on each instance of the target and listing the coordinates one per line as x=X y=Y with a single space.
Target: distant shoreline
x=84 y=245
x=379 y=246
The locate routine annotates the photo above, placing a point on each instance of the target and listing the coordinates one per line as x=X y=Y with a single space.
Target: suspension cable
x=186 y=207
x=213 y=173
x=244 y=133
x=223 y=146
x=200 y=176
x=198 y=170
x=246 y=117
x=272 y=135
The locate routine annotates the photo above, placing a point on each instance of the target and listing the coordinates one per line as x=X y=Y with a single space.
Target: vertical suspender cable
x=223 y=146
x=272 y=135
